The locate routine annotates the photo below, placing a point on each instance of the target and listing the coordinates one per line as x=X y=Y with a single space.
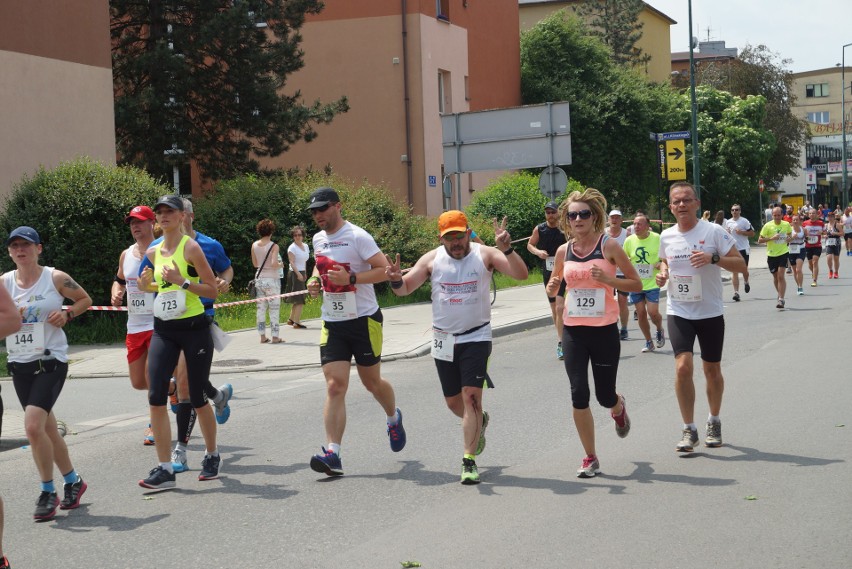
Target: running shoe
x=173 y=396
x=635 y=316
x=327 y=462
x=46 y=506
x=789 y=271
x=4 y=563
x=148 y=439
x=481 y=445
x=559 y=354
x=799 y=291
x=589 y=468
x=661 y=338
x=223 y=410
x=470 y=474
x=396 y=434
x=179 y=460
x=688 y=441
x=623 y=334
x=714 y=434
x=736 y=297
x=780 y=303
x=622 y=421
x=813 y=283
x=158 y=479
x=649 y=347
x=210 y=467
x=73 y=492
x=747 y=287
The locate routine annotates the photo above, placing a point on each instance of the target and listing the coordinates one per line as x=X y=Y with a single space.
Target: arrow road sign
x=676 y=154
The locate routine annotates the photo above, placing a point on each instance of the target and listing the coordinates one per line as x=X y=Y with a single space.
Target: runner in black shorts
x=692 y=253
x=348 y=262
x=543 y=243
x=461 y=319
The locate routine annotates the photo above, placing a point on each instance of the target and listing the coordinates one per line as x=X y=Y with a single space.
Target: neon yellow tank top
x=193 y=303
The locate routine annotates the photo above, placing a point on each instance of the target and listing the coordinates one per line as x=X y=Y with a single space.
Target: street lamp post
x=844 y=189
x=696 y=165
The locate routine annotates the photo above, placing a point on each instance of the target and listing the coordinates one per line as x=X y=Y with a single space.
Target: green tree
x=735 y=145
x=616 y=23
x=204 y=80
x=78 y=209
x=613 y=109
x=759 y=71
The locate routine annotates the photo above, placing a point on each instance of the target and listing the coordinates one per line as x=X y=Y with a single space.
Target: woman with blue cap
x=38 y=362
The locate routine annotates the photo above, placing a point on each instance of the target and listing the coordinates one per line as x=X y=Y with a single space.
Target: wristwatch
x=352 y=278
x=715 y=258
x=185 y=285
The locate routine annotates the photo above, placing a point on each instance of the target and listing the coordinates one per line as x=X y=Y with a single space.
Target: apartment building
x=819 y=99
x=56 y=92
x=402 y=65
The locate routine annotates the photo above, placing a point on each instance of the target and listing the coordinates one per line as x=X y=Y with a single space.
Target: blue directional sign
x=661 y=136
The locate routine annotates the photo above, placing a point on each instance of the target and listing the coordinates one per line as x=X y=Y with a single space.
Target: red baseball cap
x=139 y=212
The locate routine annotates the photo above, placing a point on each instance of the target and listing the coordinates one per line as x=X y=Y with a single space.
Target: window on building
x=442 y=9
x=445 y=98
x=818 y=117
x=816 y=90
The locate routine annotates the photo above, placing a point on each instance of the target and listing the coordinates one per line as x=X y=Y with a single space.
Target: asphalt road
x=776 y=495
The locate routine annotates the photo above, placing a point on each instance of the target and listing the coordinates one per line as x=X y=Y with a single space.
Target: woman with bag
x=264 y=256
x=298 y=253
x=181 y=276
x=38 y=362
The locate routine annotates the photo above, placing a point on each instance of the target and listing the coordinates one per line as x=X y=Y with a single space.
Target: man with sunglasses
x=461 y=319
x=348 y=262
x=692 y=254
x=741 y=230
x=543 y=243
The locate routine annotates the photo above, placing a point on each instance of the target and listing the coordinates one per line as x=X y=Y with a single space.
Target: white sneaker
x=649 y=346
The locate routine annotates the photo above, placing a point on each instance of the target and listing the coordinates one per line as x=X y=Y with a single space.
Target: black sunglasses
x=320 y=209
x=582 y=214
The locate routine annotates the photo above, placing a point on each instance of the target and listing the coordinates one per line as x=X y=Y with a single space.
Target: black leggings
x=602 y=346
x=190 y=335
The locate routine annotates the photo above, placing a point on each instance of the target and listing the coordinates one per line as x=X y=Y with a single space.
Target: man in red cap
x=460 y=273
x=140 y=304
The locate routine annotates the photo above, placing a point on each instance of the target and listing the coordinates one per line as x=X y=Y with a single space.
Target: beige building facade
x=401 y=65
x=819 y=100
x=56 y=92
x=655 y=40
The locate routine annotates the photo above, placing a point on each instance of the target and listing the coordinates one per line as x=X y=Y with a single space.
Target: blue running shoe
x=223 y=410
x=179 y=460
x=327 y=462
x=396 y=434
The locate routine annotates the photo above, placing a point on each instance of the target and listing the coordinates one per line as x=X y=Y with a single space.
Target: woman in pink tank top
x=587 y=262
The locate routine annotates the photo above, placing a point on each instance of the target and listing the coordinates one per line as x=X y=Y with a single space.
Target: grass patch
x=110 y=327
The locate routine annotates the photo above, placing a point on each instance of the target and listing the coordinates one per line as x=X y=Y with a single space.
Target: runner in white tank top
x=460 y=272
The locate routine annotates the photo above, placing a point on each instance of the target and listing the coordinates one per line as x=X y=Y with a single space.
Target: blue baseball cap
x=24 y=232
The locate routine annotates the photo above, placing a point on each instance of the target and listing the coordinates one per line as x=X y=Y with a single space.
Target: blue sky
x=810 y=32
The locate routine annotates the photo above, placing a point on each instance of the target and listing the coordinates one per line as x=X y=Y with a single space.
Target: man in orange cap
x=460 y=272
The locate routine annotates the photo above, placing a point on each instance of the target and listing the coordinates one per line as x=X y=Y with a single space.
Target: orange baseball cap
x=452 y=220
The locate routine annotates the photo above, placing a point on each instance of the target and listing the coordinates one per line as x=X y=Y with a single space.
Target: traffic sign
x=671 y=154
x=679 y=135
x=760 y=186
x=675 y=159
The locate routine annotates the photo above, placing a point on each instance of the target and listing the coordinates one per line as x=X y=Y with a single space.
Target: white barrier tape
x=218 y=305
